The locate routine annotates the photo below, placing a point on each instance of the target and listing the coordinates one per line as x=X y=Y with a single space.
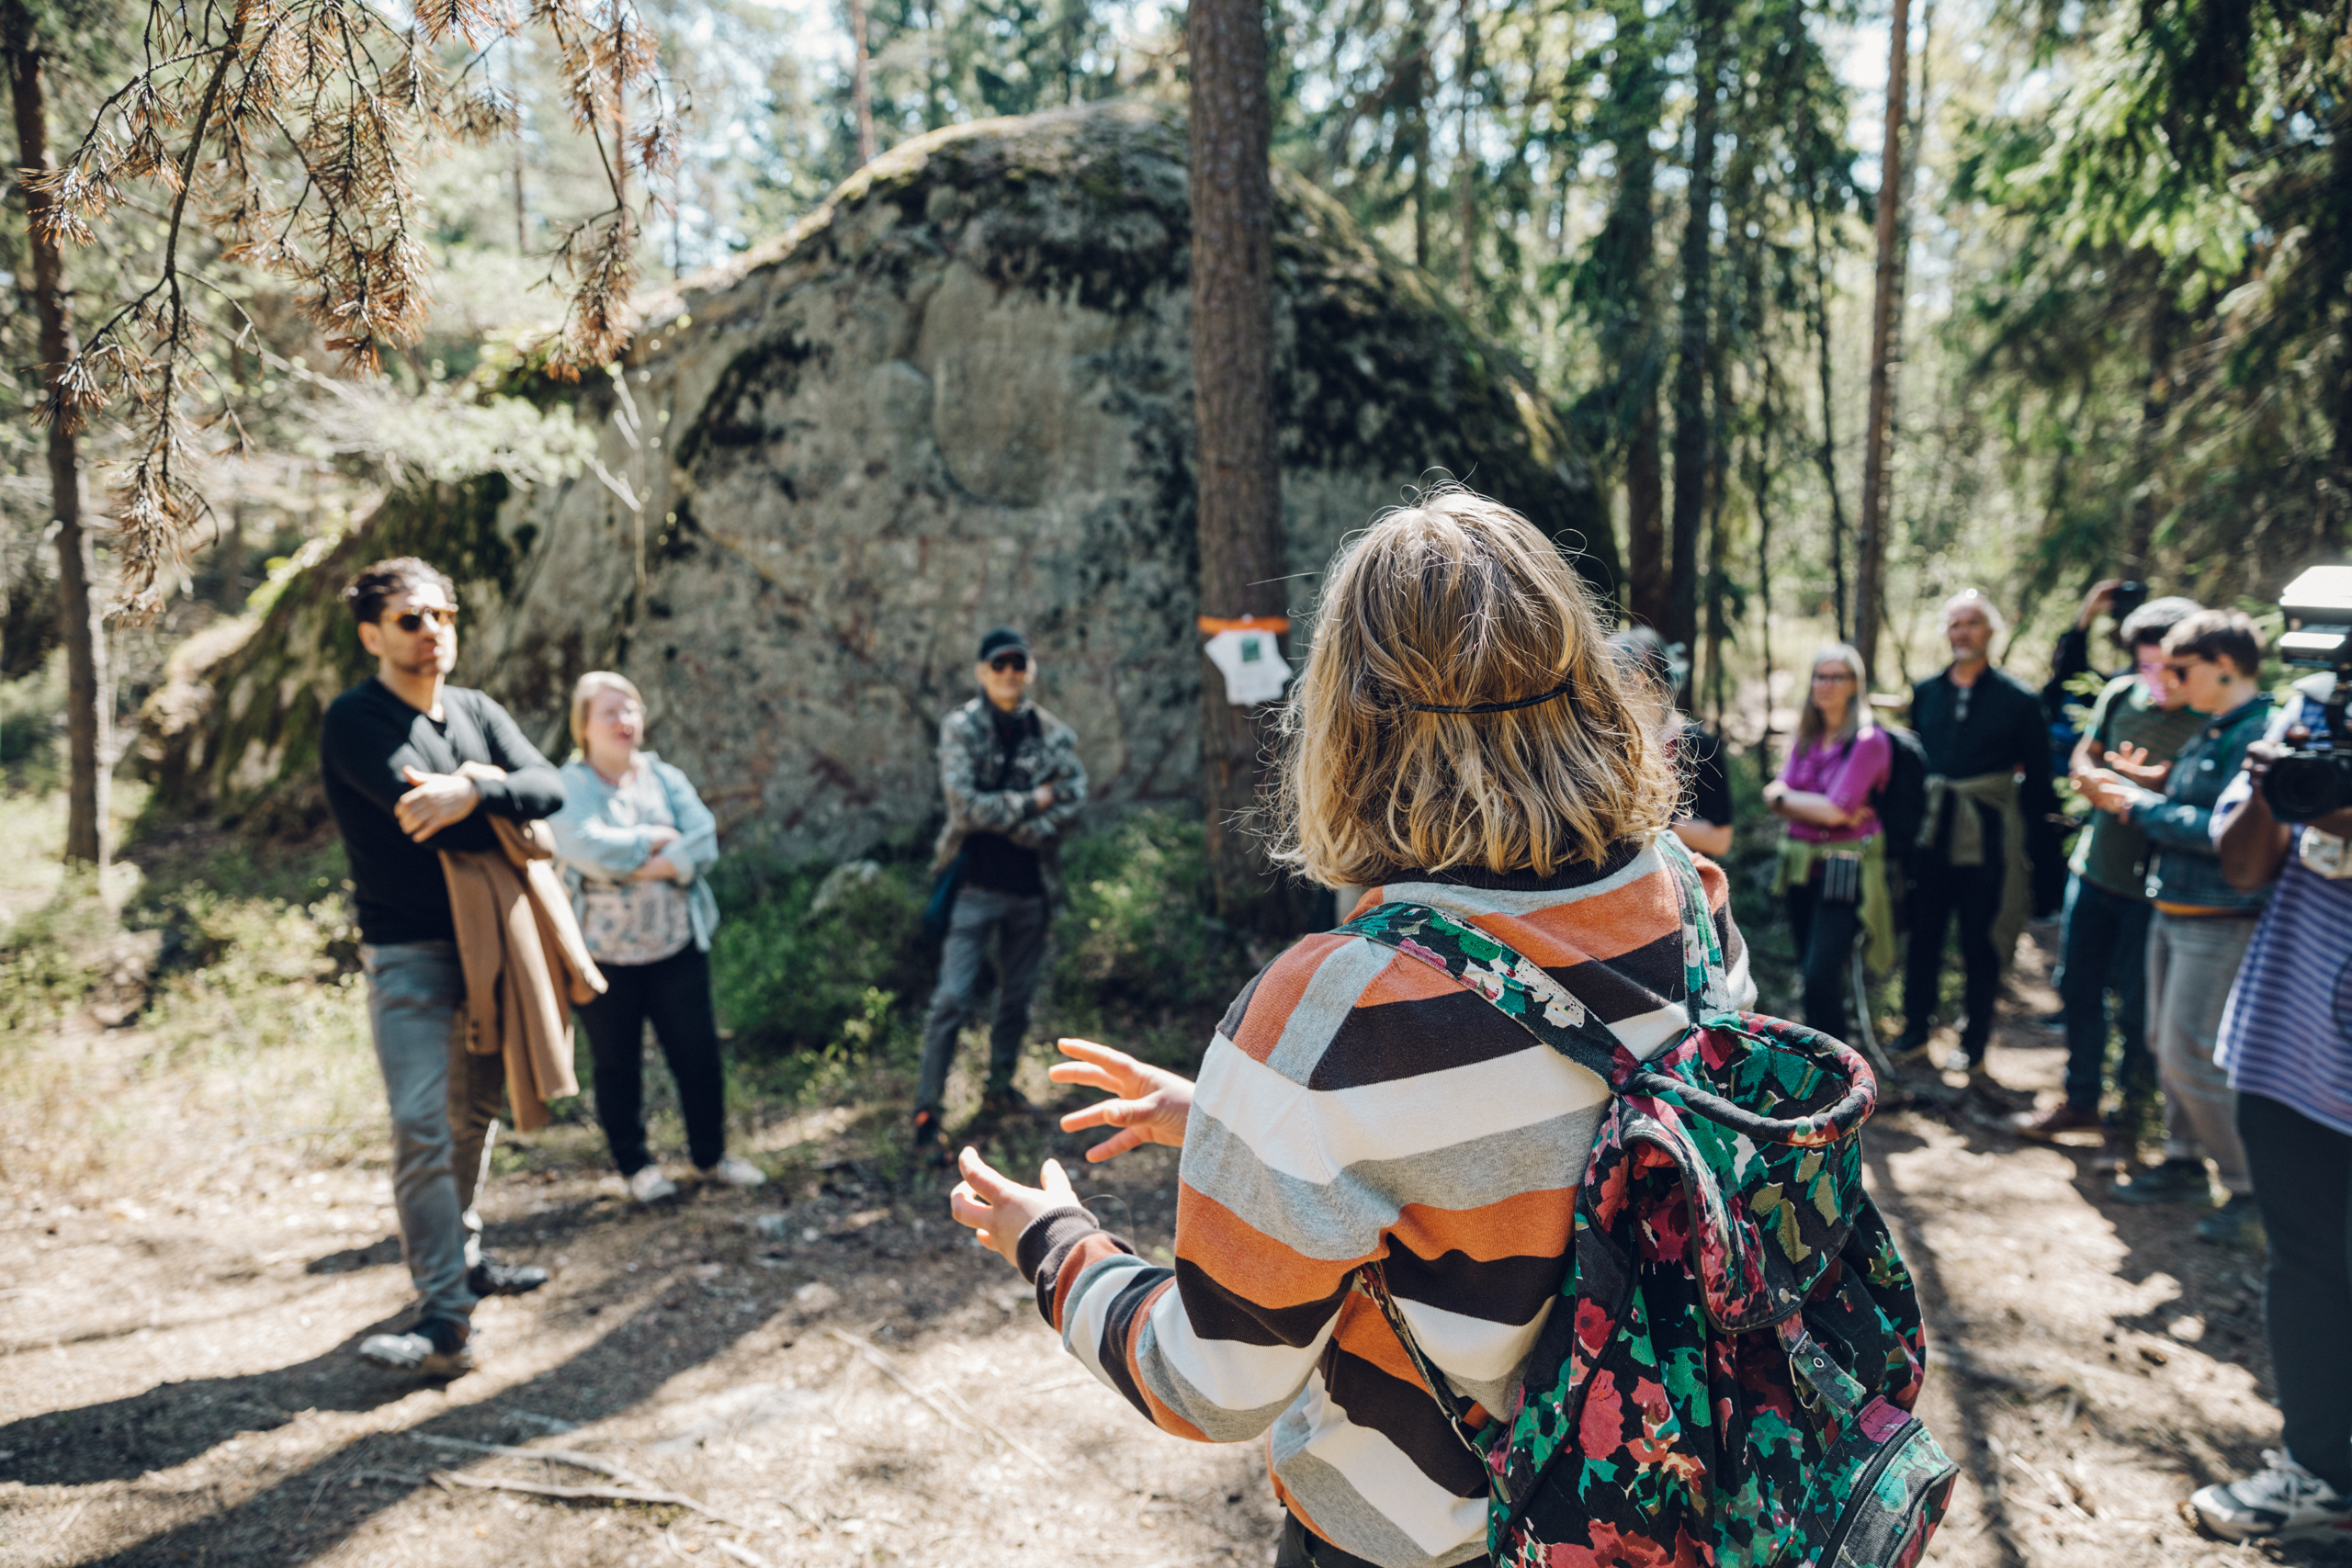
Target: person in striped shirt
x=2285 y=1042
x=1460 y=738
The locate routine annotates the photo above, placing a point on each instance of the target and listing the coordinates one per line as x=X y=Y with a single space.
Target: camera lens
x=2306 y=786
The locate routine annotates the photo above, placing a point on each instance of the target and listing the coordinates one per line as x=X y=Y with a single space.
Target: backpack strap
x=1521 y=990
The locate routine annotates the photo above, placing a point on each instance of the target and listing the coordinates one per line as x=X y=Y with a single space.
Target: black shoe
x=1912 y=1046
x=2174 y=1181
x=2235 y=1224
x=1005 y=1101
x=931 y=1138
x=492 y=1278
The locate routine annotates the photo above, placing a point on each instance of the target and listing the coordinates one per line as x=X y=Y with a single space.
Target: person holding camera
x=2202 y=923
x=2285 y=1048
x=1459 y=739
x=2104 y=945
x=1832 y=869
x=1014 y=784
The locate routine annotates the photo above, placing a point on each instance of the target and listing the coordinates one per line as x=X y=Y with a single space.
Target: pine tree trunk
x=1870 y=543
x=861 y=85
x=87 y=724
x=1827 y=454
x=1691 y=365
x=1645 y=516
x=1239 y=470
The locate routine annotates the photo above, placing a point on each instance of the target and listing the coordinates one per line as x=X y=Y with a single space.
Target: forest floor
x=834 y=1374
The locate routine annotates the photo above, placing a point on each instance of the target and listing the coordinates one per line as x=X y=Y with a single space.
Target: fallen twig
x=742 y=1554
x=571 y=1457
x=2049 y=1483
x=589 y=1494
x=963 y=1416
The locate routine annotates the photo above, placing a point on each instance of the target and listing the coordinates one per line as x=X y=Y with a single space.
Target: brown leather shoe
x=2059 y=1118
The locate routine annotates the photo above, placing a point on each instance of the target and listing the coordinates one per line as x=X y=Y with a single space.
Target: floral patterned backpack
x=1729 y=1378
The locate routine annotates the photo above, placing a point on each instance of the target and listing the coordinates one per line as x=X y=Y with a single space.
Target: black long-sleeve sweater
x=369 y=735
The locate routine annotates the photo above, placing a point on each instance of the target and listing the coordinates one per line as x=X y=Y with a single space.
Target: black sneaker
x=2174 y=1181
x=1005 y=1101
x=492 y=1278
x=1912 y=1045
x=931 y=1138
x=436 y=1348
x=2235 y=1224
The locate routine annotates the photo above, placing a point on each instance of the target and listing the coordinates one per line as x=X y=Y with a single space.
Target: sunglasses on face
x=413 y=621
x=1014 y=661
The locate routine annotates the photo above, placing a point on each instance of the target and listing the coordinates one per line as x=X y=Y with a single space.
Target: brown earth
x=853 y=1382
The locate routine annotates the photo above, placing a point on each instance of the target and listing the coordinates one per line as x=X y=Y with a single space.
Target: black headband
x=1560 y=691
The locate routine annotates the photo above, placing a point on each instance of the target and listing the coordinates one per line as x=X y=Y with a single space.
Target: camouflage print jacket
x=987 y=795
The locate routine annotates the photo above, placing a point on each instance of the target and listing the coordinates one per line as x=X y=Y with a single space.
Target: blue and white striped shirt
x=2287 y=1033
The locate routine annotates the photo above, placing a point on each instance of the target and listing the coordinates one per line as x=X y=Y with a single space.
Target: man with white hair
x=1990 y=807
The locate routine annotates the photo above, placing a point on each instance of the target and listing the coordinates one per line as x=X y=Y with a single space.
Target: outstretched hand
x=999 y=1209
x=1152 y=1107
x=2131 y=762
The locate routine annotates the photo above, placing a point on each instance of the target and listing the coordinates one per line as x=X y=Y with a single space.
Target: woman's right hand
x=1152 y=1107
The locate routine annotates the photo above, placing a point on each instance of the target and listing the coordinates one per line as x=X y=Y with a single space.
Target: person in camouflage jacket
x=1014 y=784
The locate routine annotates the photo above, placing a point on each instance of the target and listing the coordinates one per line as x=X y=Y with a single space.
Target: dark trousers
x=2303 y=1184
x=1824 y=934
x=1018 y=921
x=675 y=994
x=2105 y=948
x=1971 y=896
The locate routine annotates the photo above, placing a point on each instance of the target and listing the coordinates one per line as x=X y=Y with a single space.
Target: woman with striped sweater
x=1460 y=738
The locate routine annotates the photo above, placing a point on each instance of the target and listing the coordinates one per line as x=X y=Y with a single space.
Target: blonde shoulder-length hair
x=1460 y=603
x=1858 y=711
x=586 y=687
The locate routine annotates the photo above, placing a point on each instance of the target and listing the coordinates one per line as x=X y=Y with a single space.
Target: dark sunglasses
x=413 y=620
x=1004 y=661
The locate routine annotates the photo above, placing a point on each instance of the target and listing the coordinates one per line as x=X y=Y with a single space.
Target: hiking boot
x=931 y=1138
x=2235 y=1224
x=492 y=1278
x=2279 y=1502
x=436 y=1348
x=1912 y=1047
x=2174 y=1181
x=2059 y=1118
x=1005 y=1101
x=733 y=1170
x=647 y=1185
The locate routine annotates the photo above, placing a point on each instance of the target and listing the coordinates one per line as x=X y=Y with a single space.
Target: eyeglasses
x=1014 y=661
x=413 y=620
x=1832 y=677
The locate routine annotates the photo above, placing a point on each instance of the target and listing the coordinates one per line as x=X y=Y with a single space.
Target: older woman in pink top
x=1832 y=872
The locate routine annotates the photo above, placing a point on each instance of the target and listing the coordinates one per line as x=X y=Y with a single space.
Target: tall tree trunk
x=1465 y=204
x=1645 y=569
x=1759 y=485
x=1870 y=544
x=1827 y=454
x=86 y=720
x=1424 y=82
x=861 y=84
x=2147 y=446
x=1691 y=357
x=1239 y=470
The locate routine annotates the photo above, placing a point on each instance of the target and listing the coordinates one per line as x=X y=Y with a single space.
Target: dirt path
x=177 y=1383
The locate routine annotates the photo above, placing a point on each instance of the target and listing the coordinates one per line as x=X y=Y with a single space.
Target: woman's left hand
x=999 y=1209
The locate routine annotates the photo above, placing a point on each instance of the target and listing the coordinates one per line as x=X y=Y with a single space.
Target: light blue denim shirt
x=608 y=832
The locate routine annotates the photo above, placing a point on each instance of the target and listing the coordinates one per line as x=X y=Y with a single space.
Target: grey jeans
x=1019 y=921
x=443 y=1099
x=2192 y=962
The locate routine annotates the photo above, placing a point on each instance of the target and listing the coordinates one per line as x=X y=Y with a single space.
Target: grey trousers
x=442 y=1099
x=1019 y=922
x=2192 y=962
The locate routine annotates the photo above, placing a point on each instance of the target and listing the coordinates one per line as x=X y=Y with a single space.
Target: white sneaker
x=420 y=1351
x=649 y=1186
x=2280 y=1500
x=734 y=1170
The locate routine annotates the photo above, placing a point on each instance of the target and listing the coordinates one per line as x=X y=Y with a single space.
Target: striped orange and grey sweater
x=1357 y=1104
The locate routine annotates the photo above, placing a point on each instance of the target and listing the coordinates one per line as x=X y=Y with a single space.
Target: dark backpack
x=1729 y=1375
x=1902 y=802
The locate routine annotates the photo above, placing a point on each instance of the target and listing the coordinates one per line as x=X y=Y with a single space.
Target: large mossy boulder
x=956 y=395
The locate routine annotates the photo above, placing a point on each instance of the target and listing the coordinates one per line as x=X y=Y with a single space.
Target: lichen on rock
x=955 y=395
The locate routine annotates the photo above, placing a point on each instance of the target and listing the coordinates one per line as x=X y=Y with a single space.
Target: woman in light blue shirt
x=635 y=842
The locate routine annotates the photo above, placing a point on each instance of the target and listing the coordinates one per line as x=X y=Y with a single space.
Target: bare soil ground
x=835 y=1375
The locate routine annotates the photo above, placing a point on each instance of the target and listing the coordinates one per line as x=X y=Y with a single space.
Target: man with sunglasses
x=1013 y=785
x=2104 y=942
x=414 y=766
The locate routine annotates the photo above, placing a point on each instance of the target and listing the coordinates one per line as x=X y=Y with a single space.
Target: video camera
x=2306 y=785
